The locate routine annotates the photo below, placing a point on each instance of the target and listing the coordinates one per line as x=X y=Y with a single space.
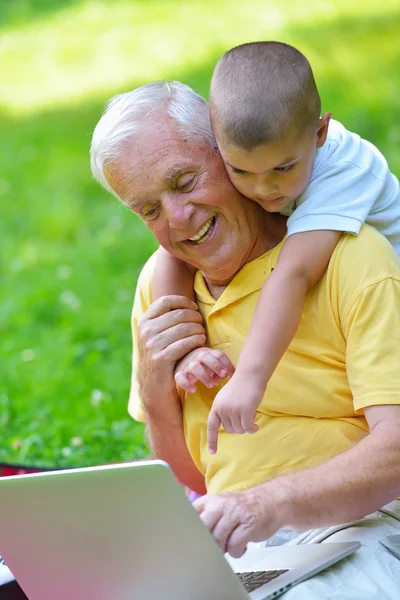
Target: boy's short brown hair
x=262 y=91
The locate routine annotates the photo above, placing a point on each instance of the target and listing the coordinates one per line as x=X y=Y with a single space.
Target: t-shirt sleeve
x=143 y=299
x=339 y=199
x=372 y=331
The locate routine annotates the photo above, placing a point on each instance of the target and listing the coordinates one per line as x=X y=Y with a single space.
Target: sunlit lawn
x=70 y=254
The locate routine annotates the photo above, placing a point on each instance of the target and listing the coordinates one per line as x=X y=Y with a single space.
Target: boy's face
x=275 y=174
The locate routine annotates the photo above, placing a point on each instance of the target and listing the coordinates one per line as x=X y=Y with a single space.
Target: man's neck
x=272 y=232
x=216 y=290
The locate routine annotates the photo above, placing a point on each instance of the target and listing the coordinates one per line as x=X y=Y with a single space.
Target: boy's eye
x=238 y=171
x=284 y=169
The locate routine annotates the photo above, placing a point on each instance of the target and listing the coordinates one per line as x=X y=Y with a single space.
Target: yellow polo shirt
x=345 y=356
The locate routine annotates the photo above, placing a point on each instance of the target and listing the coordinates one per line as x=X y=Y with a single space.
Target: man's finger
x=177 y=350
x=210 y=518
x=213 y=426
x=224 y=528
x=200 y=504
x=150 y=327
x=236 y=543
x=177 y=332
x=167 y=303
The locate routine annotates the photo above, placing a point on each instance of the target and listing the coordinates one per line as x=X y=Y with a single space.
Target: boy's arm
x=302 y=262
x=172 y=276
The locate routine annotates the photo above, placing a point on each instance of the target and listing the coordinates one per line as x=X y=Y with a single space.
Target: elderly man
x=328 y=447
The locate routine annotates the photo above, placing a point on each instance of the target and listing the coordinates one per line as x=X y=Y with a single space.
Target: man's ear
x=322 y=130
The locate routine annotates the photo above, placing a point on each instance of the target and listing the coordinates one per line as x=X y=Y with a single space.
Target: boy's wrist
x=256 y=373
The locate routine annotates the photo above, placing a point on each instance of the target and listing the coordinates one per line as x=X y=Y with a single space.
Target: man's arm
x=168 y=330
x=165 y=432
x=351 y=485
x=343 y=489
x=365 y=288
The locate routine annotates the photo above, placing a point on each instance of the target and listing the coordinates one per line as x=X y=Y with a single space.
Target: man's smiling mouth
x=204 y=233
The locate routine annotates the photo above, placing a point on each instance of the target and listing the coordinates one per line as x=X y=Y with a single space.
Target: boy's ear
x=322 y=130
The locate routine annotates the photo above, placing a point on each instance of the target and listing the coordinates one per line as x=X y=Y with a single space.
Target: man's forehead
x=167 y=166
x=167 y=152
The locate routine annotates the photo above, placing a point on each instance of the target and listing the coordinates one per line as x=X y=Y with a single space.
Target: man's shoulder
x=365 y=258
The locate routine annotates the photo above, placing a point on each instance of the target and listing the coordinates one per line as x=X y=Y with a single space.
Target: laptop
x=128 y=532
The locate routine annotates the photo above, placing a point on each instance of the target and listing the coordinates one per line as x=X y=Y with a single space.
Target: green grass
x=70 y=254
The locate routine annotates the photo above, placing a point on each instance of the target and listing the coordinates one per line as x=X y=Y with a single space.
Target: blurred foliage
x=70 y=254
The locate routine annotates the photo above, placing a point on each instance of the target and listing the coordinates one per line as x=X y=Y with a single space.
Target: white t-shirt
x=350 y=184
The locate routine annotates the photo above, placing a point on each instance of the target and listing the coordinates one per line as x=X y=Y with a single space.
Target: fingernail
x=223 y=372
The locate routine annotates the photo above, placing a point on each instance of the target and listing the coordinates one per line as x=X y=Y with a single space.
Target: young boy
x=279 y=152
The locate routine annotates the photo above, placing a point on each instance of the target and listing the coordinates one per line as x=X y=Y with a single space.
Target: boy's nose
x=264 y=189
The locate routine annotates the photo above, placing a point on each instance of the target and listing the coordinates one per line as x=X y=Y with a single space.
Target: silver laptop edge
x=127 y=531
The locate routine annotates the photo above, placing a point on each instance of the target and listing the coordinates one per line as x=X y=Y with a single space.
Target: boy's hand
x=202 y=364
x=234 y=408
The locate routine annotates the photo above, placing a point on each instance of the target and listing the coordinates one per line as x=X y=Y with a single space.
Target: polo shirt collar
x=249 y=279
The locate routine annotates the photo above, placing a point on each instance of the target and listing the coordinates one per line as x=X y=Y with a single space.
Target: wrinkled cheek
x=161 y=233
x=244 y=188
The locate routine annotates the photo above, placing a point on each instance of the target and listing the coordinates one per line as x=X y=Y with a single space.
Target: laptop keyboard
x=254 y=579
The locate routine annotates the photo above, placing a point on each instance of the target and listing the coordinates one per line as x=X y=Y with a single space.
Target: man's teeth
x=202 y=231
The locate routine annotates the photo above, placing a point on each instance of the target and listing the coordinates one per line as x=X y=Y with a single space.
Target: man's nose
x=177 y=210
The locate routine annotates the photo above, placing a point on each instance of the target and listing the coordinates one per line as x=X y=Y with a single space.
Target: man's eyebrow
x=178 y=170
x=135 y=202
x=171 y=174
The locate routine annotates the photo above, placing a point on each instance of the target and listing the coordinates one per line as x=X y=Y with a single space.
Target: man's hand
x=203 y=364
x=169 y=329
x=234 y=408
x=237 y=518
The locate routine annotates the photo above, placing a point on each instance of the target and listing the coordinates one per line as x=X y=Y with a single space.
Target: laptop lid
x=122 y=531
x=128 y=532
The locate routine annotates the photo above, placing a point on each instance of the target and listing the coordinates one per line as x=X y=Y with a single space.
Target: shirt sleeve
x=338 y=199
x=143 y=299
x=372 y=331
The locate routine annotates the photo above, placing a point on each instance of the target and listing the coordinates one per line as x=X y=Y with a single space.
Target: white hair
x=124 y=115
